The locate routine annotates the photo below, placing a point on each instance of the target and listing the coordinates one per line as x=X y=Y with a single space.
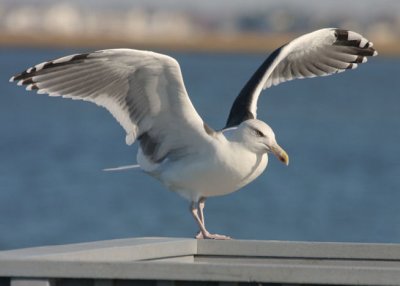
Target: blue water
x=342 y=134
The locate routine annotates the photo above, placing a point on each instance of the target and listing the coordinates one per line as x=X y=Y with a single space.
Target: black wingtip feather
x=26 y=76
x=342 y=39
x=350 y=43
x=27 y=81
x=369 y=52
x=341 y=35
x=359 y=59
x=75 y=59
x=23 y=75
x=34 y=87
x=80 y=57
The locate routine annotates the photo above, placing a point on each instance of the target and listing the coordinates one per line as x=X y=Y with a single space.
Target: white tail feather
x=122 y=168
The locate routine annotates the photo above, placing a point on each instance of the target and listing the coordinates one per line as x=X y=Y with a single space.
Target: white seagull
x=145 y=93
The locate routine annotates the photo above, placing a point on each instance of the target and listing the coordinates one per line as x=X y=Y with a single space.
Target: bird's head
x=260 y=138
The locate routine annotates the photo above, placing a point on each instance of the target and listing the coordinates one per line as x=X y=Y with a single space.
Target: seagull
x=145 y=92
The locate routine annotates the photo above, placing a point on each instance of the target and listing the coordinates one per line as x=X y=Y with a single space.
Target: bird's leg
x=201 y=205
x=197 y=211
x=194 y=209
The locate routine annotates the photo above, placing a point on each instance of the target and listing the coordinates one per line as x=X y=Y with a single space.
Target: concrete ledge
x=136 y=249
x=180 y=259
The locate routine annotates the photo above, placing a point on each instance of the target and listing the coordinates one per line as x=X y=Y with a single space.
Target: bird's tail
x=122 y=168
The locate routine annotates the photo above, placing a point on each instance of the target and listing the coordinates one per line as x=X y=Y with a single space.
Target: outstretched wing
x=143 y=90
x=320 y=53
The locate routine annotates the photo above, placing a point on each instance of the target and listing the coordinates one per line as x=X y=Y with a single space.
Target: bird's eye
x=258 y=133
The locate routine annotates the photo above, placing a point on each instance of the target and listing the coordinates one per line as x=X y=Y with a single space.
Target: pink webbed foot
x=208 y=235
x=197 y=211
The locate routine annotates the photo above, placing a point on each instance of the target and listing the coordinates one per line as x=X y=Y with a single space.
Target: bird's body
x=222 y=167
x=145 y=92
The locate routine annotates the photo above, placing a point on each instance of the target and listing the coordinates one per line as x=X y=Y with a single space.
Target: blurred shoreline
x=227 y=43
x=209 y=26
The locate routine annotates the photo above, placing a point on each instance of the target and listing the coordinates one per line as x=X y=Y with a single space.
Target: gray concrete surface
x=163 y=261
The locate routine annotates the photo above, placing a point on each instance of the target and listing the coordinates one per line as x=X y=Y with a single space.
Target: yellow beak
x=280 y=154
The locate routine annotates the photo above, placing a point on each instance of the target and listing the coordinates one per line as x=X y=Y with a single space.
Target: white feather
x=143 y=90
x=122 y=168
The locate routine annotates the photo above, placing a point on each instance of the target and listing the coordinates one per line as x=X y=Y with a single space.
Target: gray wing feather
x=143 y=90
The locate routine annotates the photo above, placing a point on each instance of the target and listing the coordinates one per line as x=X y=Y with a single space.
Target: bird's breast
x=214 y=174
x=246 y=166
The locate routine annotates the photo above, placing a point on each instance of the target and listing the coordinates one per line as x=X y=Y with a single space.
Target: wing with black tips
x=320 y=53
